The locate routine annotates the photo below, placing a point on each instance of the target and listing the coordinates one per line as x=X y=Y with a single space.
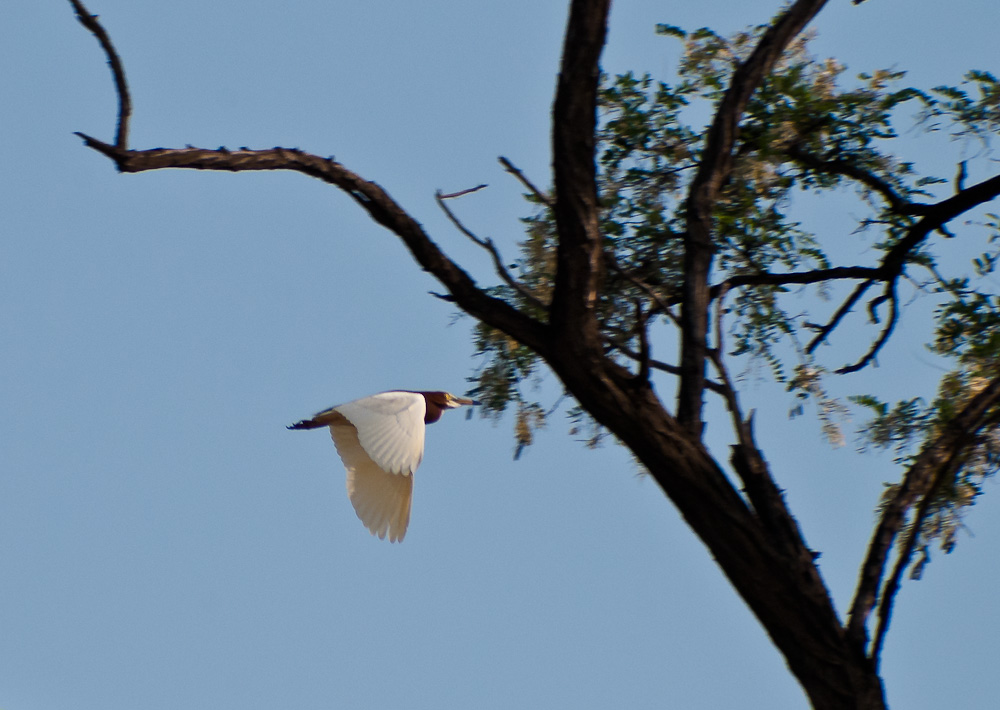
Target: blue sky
x=165 y=542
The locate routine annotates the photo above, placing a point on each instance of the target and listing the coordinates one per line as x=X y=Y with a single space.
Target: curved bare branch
x=375 y=200
x=117 y=70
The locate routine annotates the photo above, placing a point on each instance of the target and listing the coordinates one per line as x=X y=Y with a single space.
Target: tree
x=650 y=224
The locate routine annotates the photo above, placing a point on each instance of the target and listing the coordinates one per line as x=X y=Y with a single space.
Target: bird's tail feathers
x=326 y=418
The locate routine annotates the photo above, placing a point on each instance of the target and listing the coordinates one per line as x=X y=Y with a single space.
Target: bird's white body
x=390 y=428
x=381 y=447
x=380 y=439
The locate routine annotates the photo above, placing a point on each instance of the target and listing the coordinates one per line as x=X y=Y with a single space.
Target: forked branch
x=488 y=245
x=934 y=218
x=917 y=482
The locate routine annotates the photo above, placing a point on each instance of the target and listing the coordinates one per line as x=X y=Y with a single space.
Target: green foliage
x=808 y=129
x=976 y=116
x=910 y=423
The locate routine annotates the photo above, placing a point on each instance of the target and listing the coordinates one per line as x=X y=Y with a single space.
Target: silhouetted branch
x=461 y=193
x=796 y=277
x=917 y=482
x=890 y=295
x=713 y=172
x=849 y=168
x=933 y=218
x=376 y=201
x=617 y=344
x=513 y=170
x=576 y=209
x=488 y=245
x=117 y=70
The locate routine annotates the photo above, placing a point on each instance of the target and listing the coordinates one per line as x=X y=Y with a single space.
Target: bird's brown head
x=437 y=402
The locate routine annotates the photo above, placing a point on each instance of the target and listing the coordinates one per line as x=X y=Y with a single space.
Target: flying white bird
x=380 y=439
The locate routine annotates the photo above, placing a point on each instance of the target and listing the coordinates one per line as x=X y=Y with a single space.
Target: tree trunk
x=777 y=580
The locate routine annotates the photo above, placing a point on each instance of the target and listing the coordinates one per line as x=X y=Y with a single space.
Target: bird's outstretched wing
x=390 y=428
x=381 y=499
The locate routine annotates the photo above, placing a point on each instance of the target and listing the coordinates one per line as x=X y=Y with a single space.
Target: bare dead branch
x=516 y=172
x=460 y=193
x=714 y=171
x=376 y=201
x=489 y=246
x=117 y=70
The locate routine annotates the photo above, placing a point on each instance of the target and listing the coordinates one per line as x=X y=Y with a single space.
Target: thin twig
x=616 y=344
x=873 y=351
x=642 y=322
x=489 y=246
x=844 y=309
x=715 y=355
x=461 y=193
x=117 y=71
x=513 y=170
x=663 y=306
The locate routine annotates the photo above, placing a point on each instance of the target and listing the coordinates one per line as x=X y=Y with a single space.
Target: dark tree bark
x=750 y=533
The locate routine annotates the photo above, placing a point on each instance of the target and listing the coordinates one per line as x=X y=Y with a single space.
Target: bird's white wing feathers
x=381 y=499
x=390 y=428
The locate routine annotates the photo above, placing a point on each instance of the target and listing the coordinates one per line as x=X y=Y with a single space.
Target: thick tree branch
x=795 y=277
x=916 y=483
x=849 y=168
x=713 y=172
x=375 y=200
x=887 y=599
x=574 y=127
x=779 y=582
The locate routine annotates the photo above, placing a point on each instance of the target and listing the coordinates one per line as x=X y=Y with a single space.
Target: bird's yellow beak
x=454 y=401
